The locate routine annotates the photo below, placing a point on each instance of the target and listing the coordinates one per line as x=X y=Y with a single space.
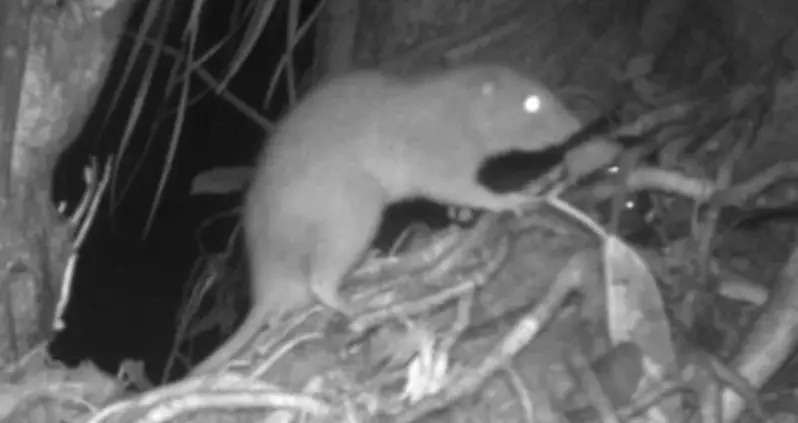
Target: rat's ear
x=483 y=81
x=487 y=83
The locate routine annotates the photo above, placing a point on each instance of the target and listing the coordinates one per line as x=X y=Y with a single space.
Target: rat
x=360 y=142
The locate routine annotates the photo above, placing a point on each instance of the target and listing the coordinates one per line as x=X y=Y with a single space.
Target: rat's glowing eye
x=532 y=104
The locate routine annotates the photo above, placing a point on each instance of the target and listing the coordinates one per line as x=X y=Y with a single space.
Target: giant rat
x=360 y=142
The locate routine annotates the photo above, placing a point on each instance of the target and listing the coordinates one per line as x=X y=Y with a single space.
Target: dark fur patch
x=514 y=170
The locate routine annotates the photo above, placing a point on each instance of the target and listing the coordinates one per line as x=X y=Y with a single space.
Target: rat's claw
x=459 y=214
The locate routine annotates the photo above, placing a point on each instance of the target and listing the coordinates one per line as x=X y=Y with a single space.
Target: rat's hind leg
x=340 y=244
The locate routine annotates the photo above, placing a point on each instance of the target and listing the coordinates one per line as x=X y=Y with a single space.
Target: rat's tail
x=245 y=333
x=279 y=299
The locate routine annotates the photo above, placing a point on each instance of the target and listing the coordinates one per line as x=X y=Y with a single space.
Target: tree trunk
x=55 y=59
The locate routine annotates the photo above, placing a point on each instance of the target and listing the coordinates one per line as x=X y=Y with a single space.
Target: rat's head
x=515 y=111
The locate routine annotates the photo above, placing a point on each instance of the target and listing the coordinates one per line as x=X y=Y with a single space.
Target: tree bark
x=55 y=58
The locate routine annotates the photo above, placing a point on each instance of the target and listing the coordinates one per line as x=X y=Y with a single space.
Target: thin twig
x=521 y=390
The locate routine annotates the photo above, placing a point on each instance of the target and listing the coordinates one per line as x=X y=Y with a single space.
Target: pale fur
x=355 y=145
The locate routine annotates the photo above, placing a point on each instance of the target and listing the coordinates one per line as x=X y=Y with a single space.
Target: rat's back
x=324 y=129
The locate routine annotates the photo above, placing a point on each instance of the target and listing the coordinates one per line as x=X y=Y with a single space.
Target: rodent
x=360 y=142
